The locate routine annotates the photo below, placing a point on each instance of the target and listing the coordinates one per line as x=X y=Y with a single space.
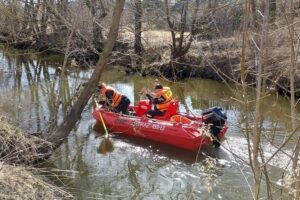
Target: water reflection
x=32 y=93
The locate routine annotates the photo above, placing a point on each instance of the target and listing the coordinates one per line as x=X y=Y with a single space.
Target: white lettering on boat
x=148 y=125
x=158 y=127
x=141 y=124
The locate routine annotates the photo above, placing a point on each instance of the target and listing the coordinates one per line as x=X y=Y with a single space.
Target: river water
x=138 y=169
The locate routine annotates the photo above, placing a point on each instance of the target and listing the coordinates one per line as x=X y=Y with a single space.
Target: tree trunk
x=14 y=23
x=212 y=5
x=183 y=23
x=209 y=4
x=179 y=50
x=67 y=24
x=35 y=22
x=257 y=115
x=253 y=13
x=296 y=167
x=138 y=47
x=292 y=69
x=44 y=19
x=26 y=16
x=75 y=112
x=98 y=12
x=171 y=26
x=273 y=10
x=244 y=43
x=62 y=9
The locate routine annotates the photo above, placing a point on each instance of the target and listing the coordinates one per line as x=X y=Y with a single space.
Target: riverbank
x=18 y=177
x=138 y=169
x=218 y=59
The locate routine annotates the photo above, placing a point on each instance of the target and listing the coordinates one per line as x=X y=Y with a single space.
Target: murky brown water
x=137 y=169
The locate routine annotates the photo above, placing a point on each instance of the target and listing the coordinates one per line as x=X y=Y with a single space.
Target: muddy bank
x=218 y=60
x=214 y=59
x=18 y=178
x=217 y=69
x=80 y=50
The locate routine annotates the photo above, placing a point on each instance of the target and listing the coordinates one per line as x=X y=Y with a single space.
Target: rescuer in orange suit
x=160 y=98
x=114 y=98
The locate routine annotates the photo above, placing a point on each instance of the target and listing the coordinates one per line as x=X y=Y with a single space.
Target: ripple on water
x=137 y=169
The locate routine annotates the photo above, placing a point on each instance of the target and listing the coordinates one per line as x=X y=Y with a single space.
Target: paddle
x=106 y=145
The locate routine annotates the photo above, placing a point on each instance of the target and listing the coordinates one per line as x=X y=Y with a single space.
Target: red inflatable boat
x=179 y=130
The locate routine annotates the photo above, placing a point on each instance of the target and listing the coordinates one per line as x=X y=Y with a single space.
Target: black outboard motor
x=217 y=117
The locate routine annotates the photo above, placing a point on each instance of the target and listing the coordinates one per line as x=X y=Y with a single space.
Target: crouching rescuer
x=113 y=98
x=160 y=98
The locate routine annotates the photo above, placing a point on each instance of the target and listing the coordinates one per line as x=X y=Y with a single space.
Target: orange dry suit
x=113 y=96
x=162 y=98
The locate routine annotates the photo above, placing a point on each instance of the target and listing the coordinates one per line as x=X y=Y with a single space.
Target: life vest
x=180 y=119
x=116 y=98
x=167 y=94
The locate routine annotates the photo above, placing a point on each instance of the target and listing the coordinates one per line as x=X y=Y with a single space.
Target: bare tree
x=138 y=47
x=256 y=132
x=178 y=48
x=212 y=5
x=292 y=69
x=75 y=112
x=44 y=19
x=253 y=13
x=98 y=12
x=273 y=10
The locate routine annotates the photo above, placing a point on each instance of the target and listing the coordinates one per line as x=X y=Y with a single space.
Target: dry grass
x=16 y=183
x=156 y=39
x=17 y=147
x=153 y=38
